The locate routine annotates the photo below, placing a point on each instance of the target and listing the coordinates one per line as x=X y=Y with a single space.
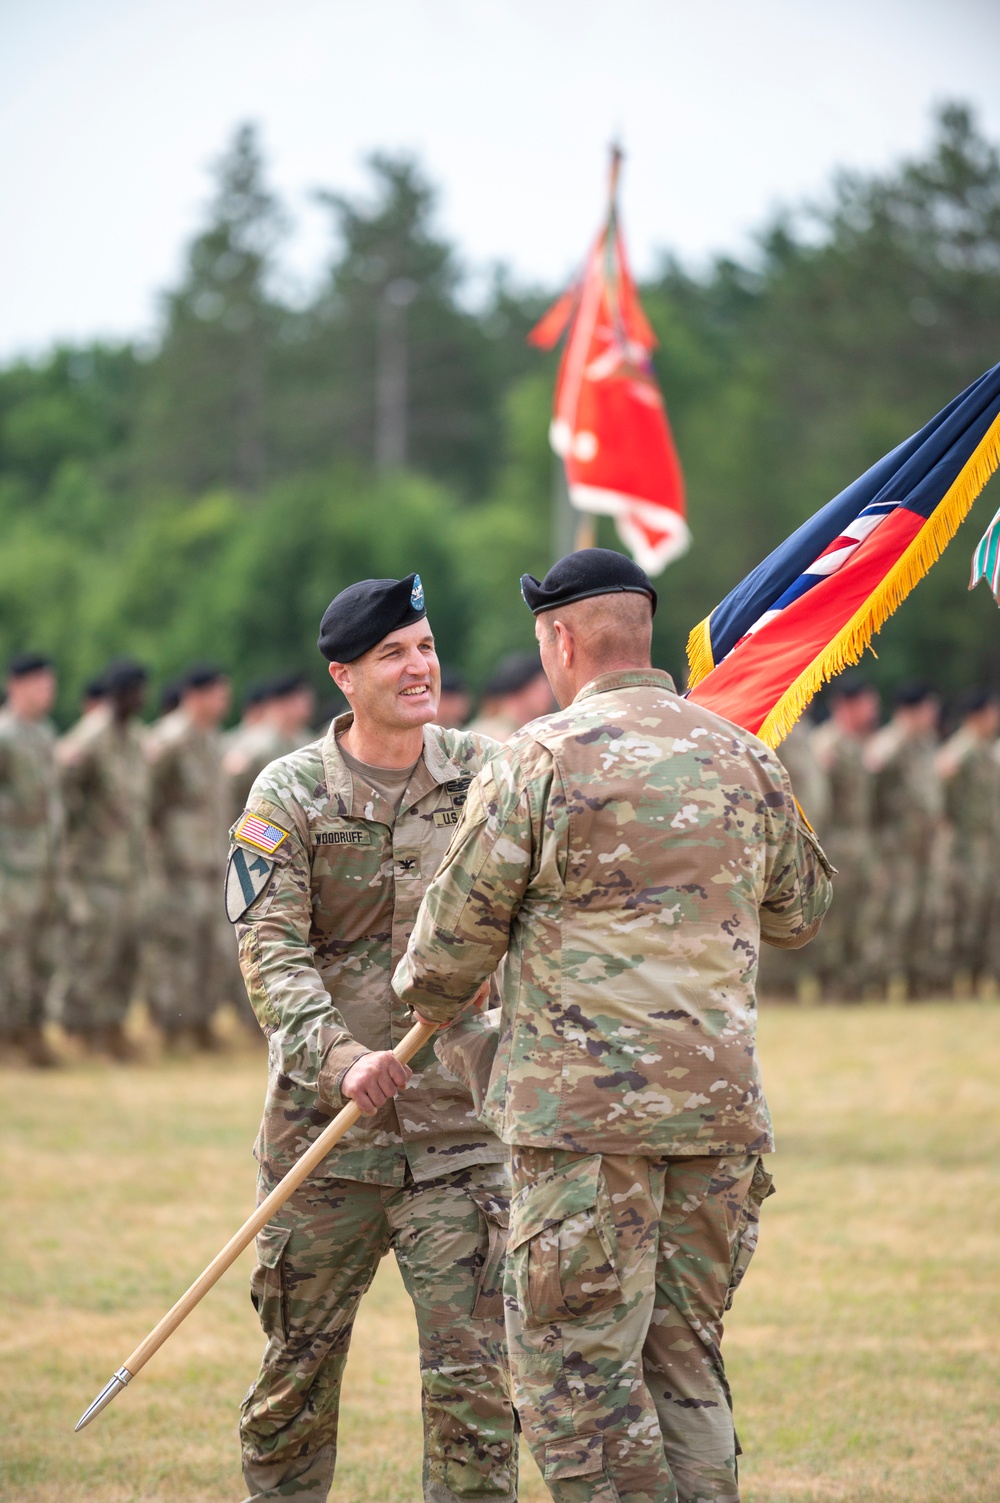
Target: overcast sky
x=111 y=111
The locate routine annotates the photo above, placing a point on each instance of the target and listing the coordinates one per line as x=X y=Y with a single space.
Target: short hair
x=614 y=626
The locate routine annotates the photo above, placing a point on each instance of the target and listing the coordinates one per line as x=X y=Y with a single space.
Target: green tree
x=204 y=418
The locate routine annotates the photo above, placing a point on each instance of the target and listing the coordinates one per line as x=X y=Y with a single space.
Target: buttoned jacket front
x=319 y=944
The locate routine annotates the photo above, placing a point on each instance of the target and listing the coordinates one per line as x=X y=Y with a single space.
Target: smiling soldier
x=328 y=866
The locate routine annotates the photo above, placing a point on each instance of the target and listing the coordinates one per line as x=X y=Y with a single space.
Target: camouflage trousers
x=619 y=1271
x=975 y=917
x=315 y=1263
x=905 y=917
x=842 y=949
x=26 y=924
x=185 y=952
x=100 y=966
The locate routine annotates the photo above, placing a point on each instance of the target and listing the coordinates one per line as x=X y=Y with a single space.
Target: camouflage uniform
x=105 y=787
x=906 y=817
x=843 y=950
x=627 y=856
x=423 y=1176
x=971 y=778
x=187 y=947
x=29 y=821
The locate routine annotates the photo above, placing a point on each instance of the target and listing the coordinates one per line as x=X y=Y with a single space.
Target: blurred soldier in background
x=455 y=704
x=843 y=946
x=906 y=818
x=279 y=724
x=782 y=972
x=186 y=948
x=970 y=774
x=105 y=788
x=29 y=834
x=515 y=692
x=93 y=696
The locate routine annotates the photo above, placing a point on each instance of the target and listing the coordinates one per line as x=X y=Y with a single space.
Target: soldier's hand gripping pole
x=313 y=1156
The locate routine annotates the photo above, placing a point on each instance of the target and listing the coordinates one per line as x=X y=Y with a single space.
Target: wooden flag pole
x=310 y=1160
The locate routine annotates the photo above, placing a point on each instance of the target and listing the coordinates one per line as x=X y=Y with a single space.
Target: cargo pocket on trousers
x=563 y=1251
x=745 y=1244
x=267 y=1282
x=494 y=1210
x=580 y=1456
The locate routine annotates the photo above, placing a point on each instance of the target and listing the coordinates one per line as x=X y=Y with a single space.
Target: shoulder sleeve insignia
x=259 y=833
x=246 y=877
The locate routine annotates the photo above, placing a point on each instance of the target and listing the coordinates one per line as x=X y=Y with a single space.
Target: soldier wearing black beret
x=328 y=864
x=584 y=575
x=29 y=828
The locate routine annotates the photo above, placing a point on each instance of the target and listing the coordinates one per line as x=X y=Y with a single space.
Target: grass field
x=863 y=1348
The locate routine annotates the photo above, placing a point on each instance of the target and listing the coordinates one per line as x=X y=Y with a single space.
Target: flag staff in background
x=609 y=425
x=814 y=604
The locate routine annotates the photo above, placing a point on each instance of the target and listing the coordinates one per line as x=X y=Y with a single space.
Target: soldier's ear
x=342 y=677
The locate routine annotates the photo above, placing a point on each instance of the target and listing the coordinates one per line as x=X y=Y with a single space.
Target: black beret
x=170 y=697
x=975 y=700
x=24 y=663
x=851 y=686
x=360 y=616
x=578 y=576
x=513 y=673
x=285 y=684
x=201 y=676
x=452 y=682
x=123 y=674
x=912 y=692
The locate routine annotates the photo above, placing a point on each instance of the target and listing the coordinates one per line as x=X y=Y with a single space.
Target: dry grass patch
x=861 y=1349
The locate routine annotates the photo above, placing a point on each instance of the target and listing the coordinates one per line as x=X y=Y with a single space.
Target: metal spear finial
x=110 y=1391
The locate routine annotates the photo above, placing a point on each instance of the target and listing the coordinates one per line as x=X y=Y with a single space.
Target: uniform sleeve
x=164 y=764
x=314 y=1046
x=798 y=887
x=463 y=926
x=76 y=781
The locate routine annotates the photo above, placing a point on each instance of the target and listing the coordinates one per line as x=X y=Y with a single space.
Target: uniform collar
x=434 y=768
x=626 y=678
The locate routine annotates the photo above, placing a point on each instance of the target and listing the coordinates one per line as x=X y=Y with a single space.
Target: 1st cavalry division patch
x=246 y=877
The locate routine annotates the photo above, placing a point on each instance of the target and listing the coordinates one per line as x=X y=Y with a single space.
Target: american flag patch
x=259 y=833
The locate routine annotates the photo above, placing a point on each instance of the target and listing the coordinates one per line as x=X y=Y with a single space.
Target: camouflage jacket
x=319 y=945
x=188 y=798
x=627 y=854
x=105 y=788
x=29 y=798
x=971 y=777
x=841 y=757
x=906 y=790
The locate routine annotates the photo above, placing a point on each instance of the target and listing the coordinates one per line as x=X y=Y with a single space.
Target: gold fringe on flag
x=848 y=646
x=699 y=652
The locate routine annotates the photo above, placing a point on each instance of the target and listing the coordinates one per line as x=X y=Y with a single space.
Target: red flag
x=609 y=424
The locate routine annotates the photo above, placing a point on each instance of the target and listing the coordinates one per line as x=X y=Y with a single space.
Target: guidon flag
x=986 y=559
x=812 y=607
x=609 y=424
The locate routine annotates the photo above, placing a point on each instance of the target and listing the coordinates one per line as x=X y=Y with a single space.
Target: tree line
x=206 y=496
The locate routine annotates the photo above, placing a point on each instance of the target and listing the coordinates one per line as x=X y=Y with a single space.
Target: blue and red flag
x=814 y=604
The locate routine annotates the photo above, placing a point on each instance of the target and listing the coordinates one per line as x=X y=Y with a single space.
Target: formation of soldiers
x=911 y=821
x=114 y=843
x=114 y=848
